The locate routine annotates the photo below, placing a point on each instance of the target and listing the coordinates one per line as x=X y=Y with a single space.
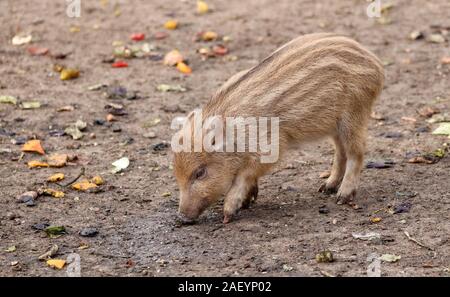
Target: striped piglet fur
x=319 y=86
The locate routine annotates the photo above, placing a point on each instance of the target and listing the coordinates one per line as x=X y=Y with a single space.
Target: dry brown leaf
x=33 y=146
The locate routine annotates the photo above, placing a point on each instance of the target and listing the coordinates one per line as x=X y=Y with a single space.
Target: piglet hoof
x=327 y=190
x=251 y=197
x=226 y=219
x=343 y=198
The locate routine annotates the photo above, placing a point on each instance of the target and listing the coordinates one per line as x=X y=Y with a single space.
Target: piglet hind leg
x=337 y=170
x=354 y=143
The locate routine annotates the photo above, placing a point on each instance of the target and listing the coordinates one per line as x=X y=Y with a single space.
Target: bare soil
x=283 y=231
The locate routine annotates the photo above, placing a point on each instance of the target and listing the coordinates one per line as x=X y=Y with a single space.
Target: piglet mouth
x=184 y=220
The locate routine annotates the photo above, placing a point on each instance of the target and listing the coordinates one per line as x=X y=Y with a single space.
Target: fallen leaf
x=166 y=194
x=56 y=178
x=170 y=88
x=390 y=258
x=69 y=73
x=202 y=7
x=439 y=118
x=375 y=220
x=120 y=165
x=119 y=64
x=324 y=257
x=220 y=50
x=428 y=112
x=209 y=36
x=160 y=35
x=98 y=180
x=171 y=25
x=21 y=39
x=33 y=146
x=55 y=231
x=53 y=193
x=436 y=38
x=425 y=159
x=74 y=132
x=30 y=105
x=183 y=68
x=172 y=58
x=83 y=185
x=56 y=263
x=37 y=51
x=409 y=119
x=443 y=129
x=367 y=236
x=50 y=253
x=57 y=160
x=11 y=249
x=8 y=100
x=74 y=29
x=137 y=36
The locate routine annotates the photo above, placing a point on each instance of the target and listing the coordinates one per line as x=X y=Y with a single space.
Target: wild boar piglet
x=317 y=86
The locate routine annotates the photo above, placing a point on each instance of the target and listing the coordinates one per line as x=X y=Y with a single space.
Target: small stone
x=99 y=122
x=324 y=209
x=116 y=128
x=150 y=135
x=11 y=215
x=28 y=198
x=416 y=35
x=88 y=232
x=160 y=147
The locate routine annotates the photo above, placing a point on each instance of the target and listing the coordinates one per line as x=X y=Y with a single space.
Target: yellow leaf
x=209 y=36
x=56 y=263
x=74 y=29
x=36 y=164
x=202 y=7
x=33 y=146
x=57 y=160
x=54 y=193
x=84 y=185
x=171 y=25
x=98 y=180
x=375 y=220
x=183 y=68
x=56 y=177
x=172 y=58
x=69 y=73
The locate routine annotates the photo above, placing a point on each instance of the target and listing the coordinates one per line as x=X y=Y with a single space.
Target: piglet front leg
x=240 y=195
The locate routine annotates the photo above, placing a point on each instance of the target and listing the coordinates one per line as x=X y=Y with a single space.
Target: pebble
x=150 y=135
x=89 y=232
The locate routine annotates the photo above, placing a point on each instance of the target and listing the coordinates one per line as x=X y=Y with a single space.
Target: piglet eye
x=200 y=173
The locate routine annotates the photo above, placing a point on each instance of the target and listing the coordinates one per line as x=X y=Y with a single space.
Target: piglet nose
x=184 y=219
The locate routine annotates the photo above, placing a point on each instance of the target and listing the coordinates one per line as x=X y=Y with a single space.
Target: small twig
x=327 y=274
x=73 y=179
x=417 y=242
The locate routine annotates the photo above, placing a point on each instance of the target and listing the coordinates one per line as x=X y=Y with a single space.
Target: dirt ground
x=281 y=234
